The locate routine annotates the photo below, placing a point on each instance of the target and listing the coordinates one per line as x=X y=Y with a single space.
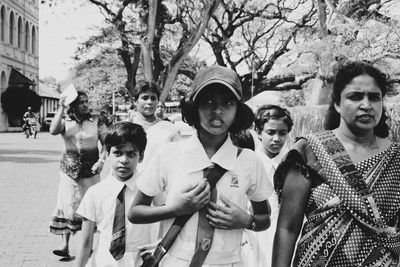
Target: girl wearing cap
x=215 y=109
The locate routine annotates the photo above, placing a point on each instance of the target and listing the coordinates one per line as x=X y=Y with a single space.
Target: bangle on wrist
x=252 y=224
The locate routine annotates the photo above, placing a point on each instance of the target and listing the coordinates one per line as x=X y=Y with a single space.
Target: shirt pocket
x=233 y=188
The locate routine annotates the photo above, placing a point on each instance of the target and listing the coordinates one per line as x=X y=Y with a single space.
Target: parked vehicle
x=47 y=120
x=121 y=116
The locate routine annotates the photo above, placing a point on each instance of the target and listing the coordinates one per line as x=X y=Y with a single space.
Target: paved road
x=28 y=189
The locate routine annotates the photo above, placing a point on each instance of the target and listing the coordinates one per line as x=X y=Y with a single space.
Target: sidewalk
x=28 y=192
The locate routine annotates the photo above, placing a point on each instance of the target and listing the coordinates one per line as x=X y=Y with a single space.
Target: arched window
x=33 y=40
x=19 y=37
x=3 y=22
x=11 y=28
x=26 y=36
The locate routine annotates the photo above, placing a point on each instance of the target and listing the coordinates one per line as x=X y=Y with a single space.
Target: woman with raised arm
x=345 y=181
x=80 y=164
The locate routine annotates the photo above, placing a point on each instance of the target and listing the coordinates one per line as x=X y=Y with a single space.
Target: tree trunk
x=147 y=41
x=321 y=9
x=320 y=92
x=172 y=68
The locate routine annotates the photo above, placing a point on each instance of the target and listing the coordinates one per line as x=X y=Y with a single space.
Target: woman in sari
x=345 y=181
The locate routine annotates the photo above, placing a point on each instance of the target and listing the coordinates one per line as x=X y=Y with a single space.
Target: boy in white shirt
x=105 y=205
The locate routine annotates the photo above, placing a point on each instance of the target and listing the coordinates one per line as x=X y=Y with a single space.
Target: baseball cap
x=217 y=74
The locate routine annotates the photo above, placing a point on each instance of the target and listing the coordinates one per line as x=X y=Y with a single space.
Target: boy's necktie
x=117 y=247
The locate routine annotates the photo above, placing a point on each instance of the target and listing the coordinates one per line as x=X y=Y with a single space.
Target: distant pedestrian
x=29 y=126
x=106 y=204
x=160 y=111
x=80 y=165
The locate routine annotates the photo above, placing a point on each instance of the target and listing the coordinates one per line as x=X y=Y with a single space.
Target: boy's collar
x=130 y=183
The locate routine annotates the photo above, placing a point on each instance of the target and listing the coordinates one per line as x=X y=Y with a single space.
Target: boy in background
x=105 y=205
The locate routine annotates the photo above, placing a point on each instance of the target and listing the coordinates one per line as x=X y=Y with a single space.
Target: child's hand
x=148 y=249
x=227 y=217
x=192 y=199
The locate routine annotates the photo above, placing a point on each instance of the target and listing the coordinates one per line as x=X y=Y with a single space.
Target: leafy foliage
x=99 y=77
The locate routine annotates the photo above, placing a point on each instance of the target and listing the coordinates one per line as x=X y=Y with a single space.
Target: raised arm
x=295 y=193
x=57 y=124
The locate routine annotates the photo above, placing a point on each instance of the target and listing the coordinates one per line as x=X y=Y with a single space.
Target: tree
x=283 y=45
x=252 y=35
x=145 y=28
x=273 y=45
x=103 y=74
x=100 y=76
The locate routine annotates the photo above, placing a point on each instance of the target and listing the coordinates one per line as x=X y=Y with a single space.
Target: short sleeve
x=260 y=188
x=87 y=208
x=151 y=180
x=300 y=158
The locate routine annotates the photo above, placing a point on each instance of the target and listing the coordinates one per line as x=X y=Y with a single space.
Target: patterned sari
x=353 y=211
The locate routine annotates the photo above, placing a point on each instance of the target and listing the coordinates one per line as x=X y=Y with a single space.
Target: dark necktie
x=205 y=232
x=117 y=247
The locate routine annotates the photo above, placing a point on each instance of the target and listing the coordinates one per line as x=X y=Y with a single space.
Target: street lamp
x=113 y=104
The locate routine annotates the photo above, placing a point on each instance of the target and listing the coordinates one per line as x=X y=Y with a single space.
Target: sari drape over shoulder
x=353 y=211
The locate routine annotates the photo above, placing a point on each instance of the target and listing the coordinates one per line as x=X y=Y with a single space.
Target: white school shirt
x=180 y=164
x=157 y=133
x=98 y=205
x=262 y=242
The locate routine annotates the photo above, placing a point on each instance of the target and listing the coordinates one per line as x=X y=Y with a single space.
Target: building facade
x=19 y=44
x=49 y=98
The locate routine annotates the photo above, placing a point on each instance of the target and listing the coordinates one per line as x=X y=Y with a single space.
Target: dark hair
x=243 y=139
x=72 y=107
x=244 y=117
x=144 y=86
x=271 y=112
x=344 y=75
x=126 y=132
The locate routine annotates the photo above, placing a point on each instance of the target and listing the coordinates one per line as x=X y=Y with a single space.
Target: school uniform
x=158 y=133
x=262 y=242
x=98 y=205
x=180 y=164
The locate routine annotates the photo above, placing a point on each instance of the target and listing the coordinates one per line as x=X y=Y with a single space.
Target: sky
x=61 y=28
